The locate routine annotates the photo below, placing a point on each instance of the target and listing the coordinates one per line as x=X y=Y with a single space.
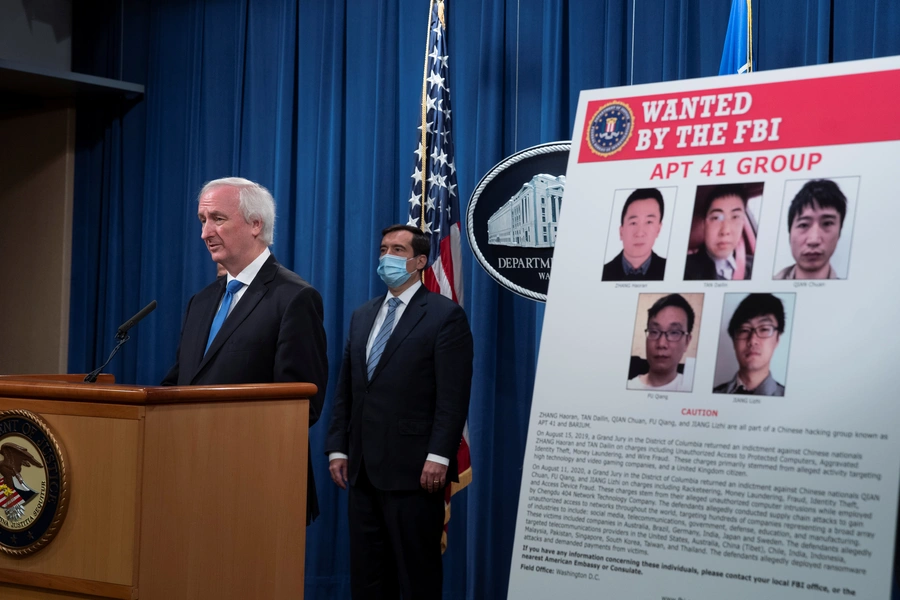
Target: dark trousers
x=395 y=543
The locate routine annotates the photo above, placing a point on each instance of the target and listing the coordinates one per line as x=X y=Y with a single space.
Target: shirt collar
x=250 y=271
x=724 y=265
x=792 y=272
x=768 y=387
x=641 y=270
x=407 y=294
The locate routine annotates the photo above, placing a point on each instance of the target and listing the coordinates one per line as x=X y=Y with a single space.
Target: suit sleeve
x=453 y=380
x=301 y=353
x=171 y=377
x=343 y=401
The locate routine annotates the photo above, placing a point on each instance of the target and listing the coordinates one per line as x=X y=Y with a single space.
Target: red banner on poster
x=790 y=114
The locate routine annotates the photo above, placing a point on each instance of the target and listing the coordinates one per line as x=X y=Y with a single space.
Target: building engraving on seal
x=529 y=218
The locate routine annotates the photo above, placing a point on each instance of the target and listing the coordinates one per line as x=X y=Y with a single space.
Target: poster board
x=740 y=442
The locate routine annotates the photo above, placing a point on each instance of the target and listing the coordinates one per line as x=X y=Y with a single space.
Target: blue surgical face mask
x=392 y=270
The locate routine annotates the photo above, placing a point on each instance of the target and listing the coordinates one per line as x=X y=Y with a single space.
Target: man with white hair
x=261 y=323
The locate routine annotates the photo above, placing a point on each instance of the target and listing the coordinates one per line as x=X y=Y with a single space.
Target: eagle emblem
x=34 y=488
x=14 y=492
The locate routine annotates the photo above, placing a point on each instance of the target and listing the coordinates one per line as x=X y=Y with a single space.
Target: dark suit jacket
x=614 y=271
x=417 y=400
x=699 y=266
x=273 y=334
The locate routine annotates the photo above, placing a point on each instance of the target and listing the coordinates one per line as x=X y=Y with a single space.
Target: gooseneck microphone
x=124 y=327
x=122 y=336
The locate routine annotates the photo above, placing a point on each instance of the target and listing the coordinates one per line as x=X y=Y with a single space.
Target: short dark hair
x=644 y=194
x=757 y=305
x=722 y=191
x=420 y=242
x=677 y=301
x=823 y=192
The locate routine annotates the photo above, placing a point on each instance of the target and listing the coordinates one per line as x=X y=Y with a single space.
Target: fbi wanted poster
x=715 y=410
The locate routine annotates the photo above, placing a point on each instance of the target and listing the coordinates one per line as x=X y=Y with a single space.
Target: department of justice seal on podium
x=34 y=489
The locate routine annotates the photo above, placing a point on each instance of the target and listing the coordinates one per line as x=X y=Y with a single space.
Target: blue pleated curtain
x=318 y=100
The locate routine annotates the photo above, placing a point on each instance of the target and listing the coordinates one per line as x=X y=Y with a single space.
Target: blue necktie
x=383 y=334
x=233 y=286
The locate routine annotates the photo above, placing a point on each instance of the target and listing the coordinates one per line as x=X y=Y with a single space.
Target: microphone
x=124 y=327
x=122 y=336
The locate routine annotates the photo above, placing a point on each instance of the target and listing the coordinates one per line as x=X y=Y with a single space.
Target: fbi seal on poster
x=33 y=485
x=610 y=128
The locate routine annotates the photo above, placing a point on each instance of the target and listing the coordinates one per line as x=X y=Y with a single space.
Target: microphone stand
x=92 y=376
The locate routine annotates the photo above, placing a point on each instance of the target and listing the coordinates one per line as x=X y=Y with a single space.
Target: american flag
x=434 y=177
x=435 y=195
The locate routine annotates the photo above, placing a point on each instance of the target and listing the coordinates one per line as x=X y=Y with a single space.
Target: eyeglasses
x=671 y=336
x=763 y=331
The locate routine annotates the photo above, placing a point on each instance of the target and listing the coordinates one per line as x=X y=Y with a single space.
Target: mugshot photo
x=816 y=228
x=754 y=344
x=724 y=228
x=639 y=230
x=664 y=346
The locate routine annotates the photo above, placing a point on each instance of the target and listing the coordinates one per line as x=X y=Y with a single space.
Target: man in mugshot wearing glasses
x=670 y=322
x=755 y=330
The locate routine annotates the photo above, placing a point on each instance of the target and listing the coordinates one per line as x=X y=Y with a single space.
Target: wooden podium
x=175 y=492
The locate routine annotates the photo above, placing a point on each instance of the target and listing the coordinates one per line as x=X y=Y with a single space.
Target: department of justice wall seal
x=512 y=218
x=610 y=128
x=34 y=489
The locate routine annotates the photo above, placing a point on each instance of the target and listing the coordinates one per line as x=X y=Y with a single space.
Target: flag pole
x=424 y=108
x=749 y=36
x=435 y=165
x=424 y=139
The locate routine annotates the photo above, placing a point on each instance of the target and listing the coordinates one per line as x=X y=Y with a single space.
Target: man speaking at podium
x=399 y=411
x=261 y=323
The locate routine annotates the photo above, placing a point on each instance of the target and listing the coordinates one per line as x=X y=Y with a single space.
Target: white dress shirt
x=725 y=267
x=246 y=277
x=405 y=297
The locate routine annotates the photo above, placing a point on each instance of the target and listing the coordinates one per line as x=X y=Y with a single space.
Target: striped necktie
x=383 y=334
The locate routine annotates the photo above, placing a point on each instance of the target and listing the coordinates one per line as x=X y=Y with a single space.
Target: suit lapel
x=361 y=335
x=206 y=306
x=257 y=289
x=411 y=317
x=711 y=272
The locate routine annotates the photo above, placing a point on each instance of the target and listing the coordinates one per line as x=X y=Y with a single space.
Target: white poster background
x=841 y=376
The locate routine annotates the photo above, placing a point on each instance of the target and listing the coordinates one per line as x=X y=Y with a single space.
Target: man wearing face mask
x=401 y=403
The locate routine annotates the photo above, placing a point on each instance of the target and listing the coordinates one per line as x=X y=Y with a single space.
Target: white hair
x=255 y=202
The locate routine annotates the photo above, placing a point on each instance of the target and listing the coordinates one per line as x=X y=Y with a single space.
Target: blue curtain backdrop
x=318 y=100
